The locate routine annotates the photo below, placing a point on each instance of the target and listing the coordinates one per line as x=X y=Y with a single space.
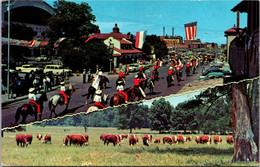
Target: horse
x=169 y=80
x=57 y=99
x=178 y=75
x=95 y=108
x=156 y=75
x=150 y=85
x=103 y=82
x=117 y=99
x=91 y=91
x=187 y=71
x=133 y=92
x=30 y=109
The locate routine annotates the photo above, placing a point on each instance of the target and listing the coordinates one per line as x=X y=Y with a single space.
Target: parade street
x=78 y=99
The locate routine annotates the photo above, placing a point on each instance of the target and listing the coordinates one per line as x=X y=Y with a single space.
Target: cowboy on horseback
x=120 y=88
x=98 y=99
x=155 y=73
x=32 y=100
x=170 y=73
x=62 y=92
x=137 y=84
x=141 y=73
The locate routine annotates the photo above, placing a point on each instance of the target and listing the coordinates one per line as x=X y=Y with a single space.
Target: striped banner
x=58 y=42
x=191 y=30
x=17 y=42
x=140 y=38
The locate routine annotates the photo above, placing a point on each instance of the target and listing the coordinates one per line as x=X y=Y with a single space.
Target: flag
x=58 y=42
x=91 y=37
x=143 y=61
x=140 y=38
x=191 y=30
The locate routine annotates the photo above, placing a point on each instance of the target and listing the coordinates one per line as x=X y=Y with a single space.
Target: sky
x=175 y=99
x=213 y=17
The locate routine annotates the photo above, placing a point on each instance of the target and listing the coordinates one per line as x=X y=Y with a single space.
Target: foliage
x=158 y=46
x=160 y=115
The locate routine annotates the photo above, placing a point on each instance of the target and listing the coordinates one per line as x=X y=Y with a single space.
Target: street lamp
x=111 y=49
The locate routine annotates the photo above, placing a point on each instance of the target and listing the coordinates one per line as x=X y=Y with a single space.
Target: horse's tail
x=50 y=104
x=17 y=115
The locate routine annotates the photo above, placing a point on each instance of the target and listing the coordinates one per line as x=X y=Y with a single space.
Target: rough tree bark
x=244 y=119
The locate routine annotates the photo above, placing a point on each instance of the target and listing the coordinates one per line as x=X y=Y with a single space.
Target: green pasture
x=96 y=154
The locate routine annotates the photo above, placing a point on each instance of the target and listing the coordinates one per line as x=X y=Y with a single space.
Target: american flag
x=191 y=30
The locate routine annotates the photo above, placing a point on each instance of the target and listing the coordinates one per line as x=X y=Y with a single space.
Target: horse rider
x=62 y=92
x=170 y=73
x=121 y=77
x=120 y=88
x=150 y=79
x=98 y=99
x=188 y=66
x=155 y=72
x=137 y=84
x=32 y=100
x=141 y=73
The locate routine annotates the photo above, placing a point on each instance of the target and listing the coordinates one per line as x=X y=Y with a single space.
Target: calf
x=29 y=138
x=157 y=140
x=181 y=139
x=132 y=140
x=111 y=139
x=167 y=139
x=230 y=139
x=39 y=136
x=21 y=139
x=77 y=139
x=217 y=139
x=66 y=140
x=197 y=139
x=205 y=139
x=47 y=138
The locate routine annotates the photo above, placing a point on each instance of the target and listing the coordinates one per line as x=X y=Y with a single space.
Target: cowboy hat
x=136 y=76
x=31 y=90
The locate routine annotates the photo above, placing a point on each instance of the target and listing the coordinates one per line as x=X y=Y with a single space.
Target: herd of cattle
x=79 y=139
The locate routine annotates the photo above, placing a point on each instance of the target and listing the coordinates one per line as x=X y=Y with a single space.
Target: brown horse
x=103 y=82
x=117 y=99
x=135 y=92
x=30 y=109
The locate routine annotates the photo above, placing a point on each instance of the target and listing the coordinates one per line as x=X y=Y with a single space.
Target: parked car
x=27 y=68
x=42 y=58
x=56 y=69
x=134 y=67
x=212 y=75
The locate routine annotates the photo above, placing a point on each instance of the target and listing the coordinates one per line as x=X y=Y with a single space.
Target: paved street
x=77 y=103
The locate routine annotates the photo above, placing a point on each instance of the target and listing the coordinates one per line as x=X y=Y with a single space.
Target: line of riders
x=141 y=81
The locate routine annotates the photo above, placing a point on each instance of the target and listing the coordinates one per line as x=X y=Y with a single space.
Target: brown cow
x=149 y=137
x=230 y=139
x=39 y=136
x=132 y=140
x=66 y=140
x=124 y=136
x=174 y=139
x=157 y=140
x=205 y=139
x=119 y=137
x=189 y=138
x=197 y=139
x=136 y=140
x=111 y=139
x=146 y=140
x=47 y=138
x=29 y=138
x=167 y=139
x=78 y=139
x=21 y=139
x=217 y=139
x=181 y=139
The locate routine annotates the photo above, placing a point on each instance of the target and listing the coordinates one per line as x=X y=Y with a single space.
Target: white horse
x=57 y=99
x=95 y=108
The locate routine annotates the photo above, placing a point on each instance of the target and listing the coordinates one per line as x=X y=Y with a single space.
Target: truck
x=27 y=68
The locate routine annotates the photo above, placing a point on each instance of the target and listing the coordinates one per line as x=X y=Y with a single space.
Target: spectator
x=45 y=87
x=12 y=87
x=18 y=84
x=48 y=83
x=84 y=75
x=36 y=83
x=89 y=75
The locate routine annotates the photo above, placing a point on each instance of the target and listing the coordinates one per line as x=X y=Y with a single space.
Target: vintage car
x=56 y=69
x=27 y=68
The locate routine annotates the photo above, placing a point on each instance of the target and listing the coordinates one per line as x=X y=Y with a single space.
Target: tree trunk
x=131 y=130
x=244 y=119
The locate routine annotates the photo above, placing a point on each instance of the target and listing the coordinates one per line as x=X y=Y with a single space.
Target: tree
x=160 y=115
x=245 y=120
x=132 y=116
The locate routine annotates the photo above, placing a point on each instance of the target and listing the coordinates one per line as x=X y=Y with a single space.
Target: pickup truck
x=27 y=68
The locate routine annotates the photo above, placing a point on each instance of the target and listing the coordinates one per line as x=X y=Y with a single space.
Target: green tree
x=160 y=115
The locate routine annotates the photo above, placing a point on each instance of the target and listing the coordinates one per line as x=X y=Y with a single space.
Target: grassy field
x=96 y=154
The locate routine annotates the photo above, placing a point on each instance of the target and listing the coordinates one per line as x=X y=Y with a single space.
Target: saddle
x=34 y=107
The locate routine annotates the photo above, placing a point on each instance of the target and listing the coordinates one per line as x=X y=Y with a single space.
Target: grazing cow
x=181 y=139
x=146 y=140
x=78 y=139
x=124 y=136
x=39 y=136
x=150 y=137
x=230 y=139
x=157 y=140
x=167 y=139
x=174 y=139
x=217 y=139
x=65 y=140
x=189 y=138
x=119 y=137
x=47 y=138
x=103 y=136
x=132 y=140
x=21 y=139
x=29 y=138
x=136 y=140
x=111 y=139
x=197 y=139
x=205 y=139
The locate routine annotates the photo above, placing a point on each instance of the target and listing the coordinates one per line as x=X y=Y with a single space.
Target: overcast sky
x=213 y=17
